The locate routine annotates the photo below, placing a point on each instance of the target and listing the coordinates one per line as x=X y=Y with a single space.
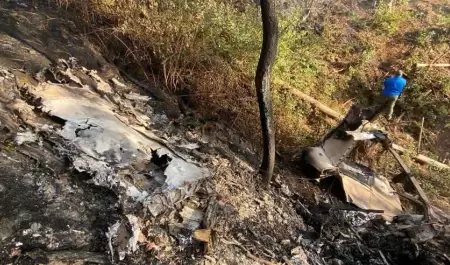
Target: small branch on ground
x=383 y=257
x=247 y=252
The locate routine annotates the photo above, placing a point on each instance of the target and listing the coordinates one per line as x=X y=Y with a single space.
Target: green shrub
x=387 y=19
x=435 y=182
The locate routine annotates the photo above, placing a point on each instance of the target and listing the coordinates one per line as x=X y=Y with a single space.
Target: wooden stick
x=421 y=158
x=325 y=109
x=348 y=101
x=426 y=160
x=433 y=65
x=383 y=257
x=322 y=107
x=398 y=148
x=415 y=183
x=358 y=210
x=420 y=136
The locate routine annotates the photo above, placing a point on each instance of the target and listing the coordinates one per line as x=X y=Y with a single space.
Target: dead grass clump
x=210 y=50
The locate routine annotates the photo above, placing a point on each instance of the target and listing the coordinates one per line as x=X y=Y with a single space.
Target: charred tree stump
x=262 y=83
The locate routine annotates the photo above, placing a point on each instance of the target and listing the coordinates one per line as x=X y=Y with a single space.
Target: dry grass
x=209 y=50
x=187 y=47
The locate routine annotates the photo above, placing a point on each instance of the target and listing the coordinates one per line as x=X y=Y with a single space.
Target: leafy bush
x=388 y=18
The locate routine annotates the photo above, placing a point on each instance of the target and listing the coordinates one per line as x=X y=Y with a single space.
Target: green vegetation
x=210 y=48
x=435 y=182
x=389 y=17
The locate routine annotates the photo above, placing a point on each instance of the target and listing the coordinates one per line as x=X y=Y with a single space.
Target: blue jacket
x=393 y=86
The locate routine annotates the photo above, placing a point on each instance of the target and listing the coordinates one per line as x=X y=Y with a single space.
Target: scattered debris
x=299 y=256
x=203 y=235
x=249 y=254
x=285 y=190
x=15 y=252
x=106 y=141
x=135 y=233
x=191 y=217
x=106 y=180
x=137 y=97
x=360 y=184
x=26 y=137
x=70 y=256
x=118 y=84
x=112 y=232
x=191 y=146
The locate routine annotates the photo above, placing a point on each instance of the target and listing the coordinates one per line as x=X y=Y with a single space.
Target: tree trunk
x=262 y=83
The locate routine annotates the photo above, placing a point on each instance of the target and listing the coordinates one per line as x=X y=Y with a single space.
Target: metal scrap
x=92 y=126
x=112 y=232
x=192 y=217
x=26 y=137
x=102 y=139
x=361 y=185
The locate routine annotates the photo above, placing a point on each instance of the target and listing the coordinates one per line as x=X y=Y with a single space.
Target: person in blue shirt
x=393 y=88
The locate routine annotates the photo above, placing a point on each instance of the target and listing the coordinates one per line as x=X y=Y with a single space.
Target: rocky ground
x=95 y=170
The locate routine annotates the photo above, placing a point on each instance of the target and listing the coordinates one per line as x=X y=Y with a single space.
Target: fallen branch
x=431 y=162
x=421 y=158
x=248 y=253
x=383 y=257
x=325 y=109
x=420 y=135
x=71 y=255
x=304 y=211
x=413 y=180
x=359 y=210
x=433 y=65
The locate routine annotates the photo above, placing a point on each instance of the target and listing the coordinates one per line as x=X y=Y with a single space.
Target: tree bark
x=262 y=83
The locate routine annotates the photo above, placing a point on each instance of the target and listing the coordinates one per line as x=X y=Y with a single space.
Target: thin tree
x=262 y=83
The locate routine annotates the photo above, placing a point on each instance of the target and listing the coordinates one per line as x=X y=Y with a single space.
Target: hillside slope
x=91 y=161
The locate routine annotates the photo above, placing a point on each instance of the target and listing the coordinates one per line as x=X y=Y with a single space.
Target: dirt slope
x=52 y=212
x=57 y=208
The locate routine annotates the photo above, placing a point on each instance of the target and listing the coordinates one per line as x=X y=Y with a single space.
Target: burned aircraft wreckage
x=361 y=185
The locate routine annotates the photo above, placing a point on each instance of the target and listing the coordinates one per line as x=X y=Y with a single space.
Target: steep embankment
x=79 y=183
x=335 y=51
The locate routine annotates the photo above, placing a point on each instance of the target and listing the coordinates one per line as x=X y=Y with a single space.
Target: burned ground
x=56 y=209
